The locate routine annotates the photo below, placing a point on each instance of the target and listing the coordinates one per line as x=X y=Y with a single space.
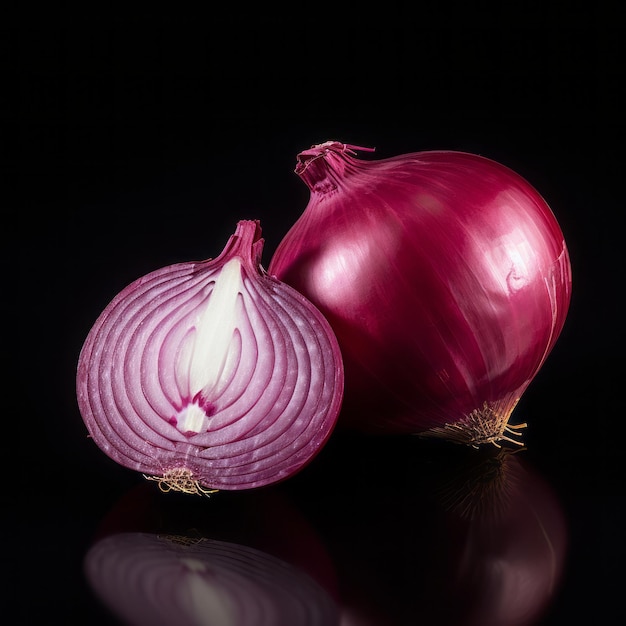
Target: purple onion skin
x=445 y=277
x=211 y=375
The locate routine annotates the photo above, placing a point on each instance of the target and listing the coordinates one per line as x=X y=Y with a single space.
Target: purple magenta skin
x=446 y=278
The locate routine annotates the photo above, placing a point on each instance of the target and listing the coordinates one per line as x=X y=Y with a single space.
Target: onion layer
x=445 y=277
x=211 y=375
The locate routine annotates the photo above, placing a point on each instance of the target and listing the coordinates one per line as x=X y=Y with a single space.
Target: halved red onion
x=162 y=580
x=211 y=375
x=446 y=278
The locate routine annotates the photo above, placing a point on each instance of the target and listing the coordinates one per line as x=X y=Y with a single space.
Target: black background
x=137 y=137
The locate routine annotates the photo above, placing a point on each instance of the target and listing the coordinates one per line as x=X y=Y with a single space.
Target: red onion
x=445 y=277
x=211 y=375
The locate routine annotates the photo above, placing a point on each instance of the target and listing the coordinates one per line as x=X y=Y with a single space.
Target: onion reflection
x=511 y=541
x=198 y=577
x=167 y=580
x=442 y=535
x=392 y=532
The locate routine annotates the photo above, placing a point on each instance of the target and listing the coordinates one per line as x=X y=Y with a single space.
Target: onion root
x=180 y=479
x=480 y=427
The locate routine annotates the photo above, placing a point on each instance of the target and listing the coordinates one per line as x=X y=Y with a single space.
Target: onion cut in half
x=211 y=375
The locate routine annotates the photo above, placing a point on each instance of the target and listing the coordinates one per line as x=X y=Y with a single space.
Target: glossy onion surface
x=445 y=277
x=211 y=375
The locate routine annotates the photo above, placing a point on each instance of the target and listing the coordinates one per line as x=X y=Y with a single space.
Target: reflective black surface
x=449 y=537
x=137 y=139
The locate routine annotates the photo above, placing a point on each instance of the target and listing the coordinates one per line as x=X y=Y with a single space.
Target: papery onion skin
x=211 y=375
x=446 y=278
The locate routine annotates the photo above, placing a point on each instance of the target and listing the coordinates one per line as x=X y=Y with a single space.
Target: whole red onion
x=445 y=277
x=211 y=375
